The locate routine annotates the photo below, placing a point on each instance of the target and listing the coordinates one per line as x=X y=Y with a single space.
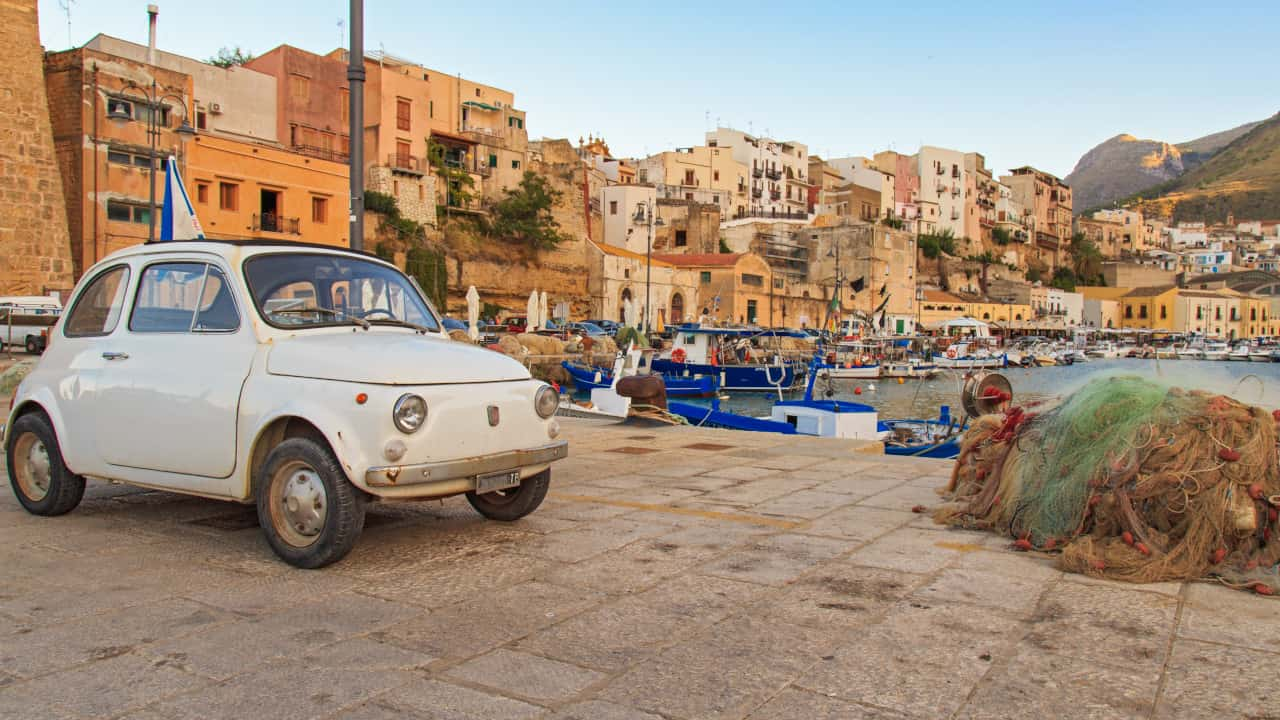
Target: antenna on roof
x=66 y=8
x=342 y=35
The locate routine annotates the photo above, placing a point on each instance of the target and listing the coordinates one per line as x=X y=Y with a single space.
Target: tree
x=524 y=214
x=893 y=222
x=458 y=183
x=1086 y=260
x=1064 y=279
x=934 y=244
x=230 y=57
x=986 y=260
x=1001 y=236
x=724 y=246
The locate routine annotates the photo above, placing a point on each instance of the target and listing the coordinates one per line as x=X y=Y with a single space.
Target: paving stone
x=777 y=559
x=857 y=523
x=599 y=710
x=836 y=595
x=909 y=550
x=1105 y=625
x=104 y=687
x=438 y=583
x=1205 y=680
x=920 y=660
x=526 y=675
x=903 y=497
x=803 y=504
x=469 y=628
x=1039 y=684
x=795 y=704
x=1216 y=613
x=1018 y=596
x=429 y=699
x=579 y=544
x=719 y=674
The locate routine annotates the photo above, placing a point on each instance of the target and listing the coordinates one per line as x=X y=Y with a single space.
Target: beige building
x=1118 y=233
x=732 y=287
x=981 y=195
x=615 y=275
x=942 y=181
x=1049 y=201
x=866 y=174
x=702 y=174
x=778 y=185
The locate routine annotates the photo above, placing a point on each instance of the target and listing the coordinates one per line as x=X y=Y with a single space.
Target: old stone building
x=35 y=253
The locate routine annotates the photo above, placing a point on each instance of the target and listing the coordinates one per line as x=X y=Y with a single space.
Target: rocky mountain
x=1125 y=165
x=1242 y=179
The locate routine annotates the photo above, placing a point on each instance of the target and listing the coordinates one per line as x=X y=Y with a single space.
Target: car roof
x=229 y=248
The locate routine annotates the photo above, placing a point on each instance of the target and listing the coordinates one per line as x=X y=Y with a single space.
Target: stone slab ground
x=673 y=573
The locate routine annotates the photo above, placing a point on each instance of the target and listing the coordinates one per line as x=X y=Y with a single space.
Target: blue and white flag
x=178 y=219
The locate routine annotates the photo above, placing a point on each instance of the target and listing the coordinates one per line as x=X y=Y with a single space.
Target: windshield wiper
x=402 y=323
x=341 y=317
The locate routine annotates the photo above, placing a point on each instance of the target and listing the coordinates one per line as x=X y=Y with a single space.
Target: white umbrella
x=473 y=313
x=543 y=316
x=628 y=313
x=531 y=312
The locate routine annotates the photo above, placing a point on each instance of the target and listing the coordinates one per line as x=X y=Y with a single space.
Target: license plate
x=497 y=481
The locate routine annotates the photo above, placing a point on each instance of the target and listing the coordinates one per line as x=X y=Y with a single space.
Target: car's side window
x=167 y=297
x=217 y=311
x=97 y=310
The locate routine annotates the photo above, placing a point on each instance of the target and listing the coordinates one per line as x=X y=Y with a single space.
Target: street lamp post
x=155 y=113
x=646 y=214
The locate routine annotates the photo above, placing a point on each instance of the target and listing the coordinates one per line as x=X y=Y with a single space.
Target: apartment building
x=701 y=174
x=772 y=192
x=824 y=180
x=981 y=194
x=1117 y=232
x=906 y=188
x=942 y=179
x=865 y=173
x=242 y=182
x=1049 y=200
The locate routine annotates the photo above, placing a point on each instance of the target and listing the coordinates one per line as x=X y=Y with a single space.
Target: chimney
x=152 y=12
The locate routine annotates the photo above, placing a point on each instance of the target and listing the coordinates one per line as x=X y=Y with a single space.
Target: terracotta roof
x=623 y=252
x=702 y=260
x=1150 y=291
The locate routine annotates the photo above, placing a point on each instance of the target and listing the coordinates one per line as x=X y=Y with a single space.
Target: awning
x=480 y=106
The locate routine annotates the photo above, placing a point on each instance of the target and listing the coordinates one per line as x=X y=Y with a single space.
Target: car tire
x=33 y=347
x=309 y=511
x=515 y=503
x=37 y=473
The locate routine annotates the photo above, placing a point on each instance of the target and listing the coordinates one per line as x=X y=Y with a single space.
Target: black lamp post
x=155 y=114
x=645 y=213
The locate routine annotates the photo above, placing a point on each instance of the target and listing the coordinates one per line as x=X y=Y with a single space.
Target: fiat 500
x=307 y=380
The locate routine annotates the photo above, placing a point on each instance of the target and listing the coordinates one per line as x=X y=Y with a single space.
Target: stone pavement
x=673 y=573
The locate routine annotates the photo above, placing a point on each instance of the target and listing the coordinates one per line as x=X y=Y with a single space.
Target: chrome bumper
x=3 y=427
x=466 y=469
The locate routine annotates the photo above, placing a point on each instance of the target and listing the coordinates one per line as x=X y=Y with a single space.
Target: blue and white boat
x=837 y=419
x=739 y=358
x=591 y=378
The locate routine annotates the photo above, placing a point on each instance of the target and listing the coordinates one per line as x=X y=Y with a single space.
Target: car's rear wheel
x=309 y=511
x=40 y=479
x=33 y=346
x=513 y=503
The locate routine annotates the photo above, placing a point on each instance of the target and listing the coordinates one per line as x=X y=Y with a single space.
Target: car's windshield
x=312 y=289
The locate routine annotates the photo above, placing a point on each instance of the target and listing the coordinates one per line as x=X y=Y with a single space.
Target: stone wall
x=415 y=194
x=35 y=250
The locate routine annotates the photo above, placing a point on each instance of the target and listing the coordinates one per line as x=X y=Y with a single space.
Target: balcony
x=272 y=222
x=319 y=152
x=757 y=193
x=757 y=172
x=407 y=164
x=773 y=174
x=775 y=195
x=772 y=214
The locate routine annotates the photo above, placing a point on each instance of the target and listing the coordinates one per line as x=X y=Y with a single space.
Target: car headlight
x=546 y=401
x=410 y=413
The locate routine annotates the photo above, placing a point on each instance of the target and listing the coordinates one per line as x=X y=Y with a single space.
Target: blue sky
x=1024 y=82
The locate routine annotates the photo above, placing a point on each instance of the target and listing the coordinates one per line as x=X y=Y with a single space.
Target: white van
x=25 y=320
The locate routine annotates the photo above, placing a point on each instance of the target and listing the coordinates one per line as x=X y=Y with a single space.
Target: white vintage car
x=306 y=379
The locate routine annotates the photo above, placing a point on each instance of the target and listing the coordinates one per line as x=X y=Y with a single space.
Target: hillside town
x=736 y=228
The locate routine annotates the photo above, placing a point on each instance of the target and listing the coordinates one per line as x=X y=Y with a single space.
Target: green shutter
x=493 y=160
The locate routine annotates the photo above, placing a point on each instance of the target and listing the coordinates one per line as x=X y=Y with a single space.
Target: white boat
x=1241 y=352
x=911 y=368
x=1104 y=351
x=1215 y=351
x=1168 y=352
x=963 y=356
x=1190 y=352
x=1260 y=355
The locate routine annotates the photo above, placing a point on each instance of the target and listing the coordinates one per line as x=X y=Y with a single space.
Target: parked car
x=305 y=379
x=515 y=324
x=453 y=324
x=585 y=328
x=609 y=326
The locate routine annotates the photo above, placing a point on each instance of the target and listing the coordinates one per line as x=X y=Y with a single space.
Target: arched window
x=1253 y=314
x=986 y=316
x=677 y=308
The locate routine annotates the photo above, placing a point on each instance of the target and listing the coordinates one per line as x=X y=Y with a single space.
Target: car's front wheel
x=311 y=514
x=37 y=473
x=513 y=503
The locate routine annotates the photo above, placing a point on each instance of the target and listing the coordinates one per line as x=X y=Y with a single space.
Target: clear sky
x=1026 y=82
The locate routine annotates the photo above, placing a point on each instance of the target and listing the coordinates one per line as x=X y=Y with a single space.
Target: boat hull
x=852 y=372
x=970 y=363
x=743 y=378
x=590 y=378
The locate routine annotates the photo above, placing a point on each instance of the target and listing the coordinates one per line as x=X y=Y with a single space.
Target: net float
x=1219 y=555
x=1022 y=544
x=1127 y=537
x=1229 y=454
x=1142 y=548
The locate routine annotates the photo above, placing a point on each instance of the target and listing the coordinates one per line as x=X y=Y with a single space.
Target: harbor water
x=1253 y=383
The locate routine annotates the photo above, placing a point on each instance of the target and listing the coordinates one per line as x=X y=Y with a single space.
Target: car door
x=171 y=387
x=74 y=364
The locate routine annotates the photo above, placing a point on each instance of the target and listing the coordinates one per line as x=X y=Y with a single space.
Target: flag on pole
x=858 y=285
x=178 y=219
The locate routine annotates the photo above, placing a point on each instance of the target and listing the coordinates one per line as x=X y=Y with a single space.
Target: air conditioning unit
x=215 y=108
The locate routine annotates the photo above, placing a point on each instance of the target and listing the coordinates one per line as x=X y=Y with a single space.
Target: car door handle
x=115 y=356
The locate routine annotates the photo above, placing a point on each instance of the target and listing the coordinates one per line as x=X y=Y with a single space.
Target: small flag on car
x=178 y=219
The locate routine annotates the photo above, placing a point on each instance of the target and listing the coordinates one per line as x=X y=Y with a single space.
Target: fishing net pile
x=1131 y=480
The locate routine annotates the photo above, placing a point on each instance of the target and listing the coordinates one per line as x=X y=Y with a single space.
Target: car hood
x=389 y=357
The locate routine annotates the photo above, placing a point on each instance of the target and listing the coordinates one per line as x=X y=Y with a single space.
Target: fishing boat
x=968 y=356
x=851 y=361
x=1190 y=352
x=1104 y=351
x=1260 y=354
x=1215 y=351
x=590 y=378
x=741 y=359
x=1241 y=353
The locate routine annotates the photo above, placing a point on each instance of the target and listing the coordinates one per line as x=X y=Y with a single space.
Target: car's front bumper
x=454 y=476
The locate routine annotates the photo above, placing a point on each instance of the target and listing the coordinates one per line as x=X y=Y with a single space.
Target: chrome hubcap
x=32 y=469
x=300 y=504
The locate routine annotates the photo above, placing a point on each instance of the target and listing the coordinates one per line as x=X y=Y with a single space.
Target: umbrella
x=543 y=316
x=531 y=312
x=628 y=313
x=658 y=325
x=473 y=313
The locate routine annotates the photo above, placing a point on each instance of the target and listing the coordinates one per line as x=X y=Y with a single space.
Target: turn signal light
x=362 y=398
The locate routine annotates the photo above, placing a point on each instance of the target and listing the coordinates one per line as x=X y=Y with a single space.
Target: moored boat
x=739 y=359
x=589 y=378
